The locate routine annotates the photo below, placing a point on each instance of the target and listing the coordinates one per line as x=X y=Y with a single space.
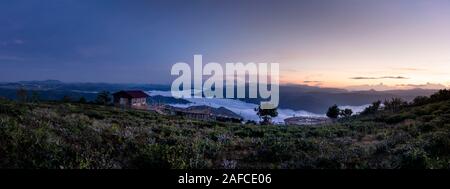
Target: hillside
x=71 y=135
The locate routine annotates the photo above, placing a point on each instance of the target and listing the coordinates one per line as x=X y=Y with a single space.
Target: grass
x=81 y=136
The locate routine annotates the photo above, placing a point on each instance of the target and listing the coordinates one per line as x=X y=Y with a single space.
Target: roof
x=306 y=120
x=220 y=112
x=131 y=94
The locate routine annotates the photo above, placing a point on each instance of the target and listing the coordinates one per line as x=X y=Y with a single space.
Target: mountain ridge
x=296 y=97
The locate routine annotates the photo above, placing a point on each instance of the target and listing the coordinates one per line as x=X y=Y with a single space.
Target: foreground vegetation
x=75 y=135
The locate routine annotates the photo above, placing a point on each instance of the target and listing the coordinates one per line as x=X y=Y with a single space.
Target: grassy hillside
x=65 y=135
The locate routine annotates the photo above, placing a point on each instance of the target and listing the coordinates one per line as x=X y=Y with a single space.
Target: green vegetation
x=103 y=98
x=372 y=109
x=74 y=135
x=266 y=115
x=346 y=113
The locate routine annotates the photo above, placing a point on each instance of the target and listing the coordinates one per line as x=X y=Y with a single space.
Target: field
x=59 y=135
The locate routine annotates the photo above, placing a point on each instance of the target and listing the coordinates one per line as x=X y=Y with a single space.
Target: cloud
x=94 y=51
x=11 y=58
x=383 y=77
x=377 y=87
x=12 y=42
x=244 y=109
x=363 y=78
x=393 y=77
x=423 y=86
x=18 y=41
x=383 y=87
x=312 y=81
x=410 y=69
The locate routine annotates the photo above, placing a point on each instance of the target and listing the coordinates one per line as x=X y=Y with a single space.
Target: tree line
x=103 y=97
x=391 y=105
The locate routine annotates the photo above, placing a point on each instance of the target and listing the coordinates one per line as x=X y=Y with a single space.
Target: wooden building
x=200 y=112
x=131 y=99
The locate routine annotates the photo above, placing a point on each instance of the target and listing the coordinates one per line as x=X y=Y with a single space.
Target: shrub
x=372 y=109
x=333 y=112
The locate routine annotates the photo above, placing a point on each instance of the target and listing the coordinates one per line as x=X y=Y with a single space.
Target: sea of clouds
x=244 y=109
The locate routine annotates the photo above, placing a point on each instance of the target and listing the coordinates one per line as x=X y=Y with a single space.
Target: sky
x=353 y=44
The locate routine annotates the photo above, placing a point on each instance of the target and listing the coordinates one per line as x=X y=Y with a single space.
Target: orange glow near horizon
x=379 y=76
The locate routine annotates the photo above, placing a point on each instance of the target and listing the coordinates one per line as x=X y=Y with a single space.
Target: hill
x=70 y=135
x=317 y=100
x=295 y=97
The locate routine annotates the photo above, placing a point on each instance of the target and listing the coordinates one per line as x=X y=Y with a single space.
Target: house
x=210 y=113
x=201 y=112
x=131 y=99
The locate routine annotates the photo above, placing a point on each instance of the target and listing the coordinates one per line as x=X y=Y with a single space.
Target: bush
x=333 y=112
x=372 y=109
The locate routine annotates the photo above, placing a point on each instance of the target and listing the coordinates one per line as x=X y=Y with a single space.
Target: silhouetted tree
x=103 y=98
x=266 y=114
x=395 y=104
x=441 y=95
x=372 y=109
x=333 y=112
x=420 y=100
x=346 y=113
x=22 y=95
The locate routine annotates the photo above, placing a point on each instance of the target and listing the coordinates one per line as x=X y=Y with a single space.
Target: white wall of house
x=138 y=101
x=123 y=101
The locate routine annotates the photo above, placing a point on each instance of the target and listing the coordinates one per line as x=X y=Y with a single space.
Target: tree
x=22 y=95
x=82 y=100
x=441 y=95
x=35 y=97
x=395 y=104
x=103 y=98
x=266 y=114
x=420 y=100
x=346 y=113
x=372 y=109
x=333 y=112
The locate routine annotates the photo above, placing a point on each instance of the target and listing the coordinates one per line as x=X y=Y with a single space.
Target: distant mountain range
x=83 y=87
x=295 y=97
x=55 y=90
x=317 y=100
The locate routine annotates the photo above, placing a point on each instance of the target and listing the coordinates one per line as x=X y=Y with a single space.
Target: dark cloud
x=312 y=81
x=383 y=77
x=393 y=77
x=364 y=78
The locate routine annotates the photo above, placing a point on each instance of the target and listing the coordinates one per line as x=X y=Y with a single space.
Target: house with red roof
x=131 y=99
